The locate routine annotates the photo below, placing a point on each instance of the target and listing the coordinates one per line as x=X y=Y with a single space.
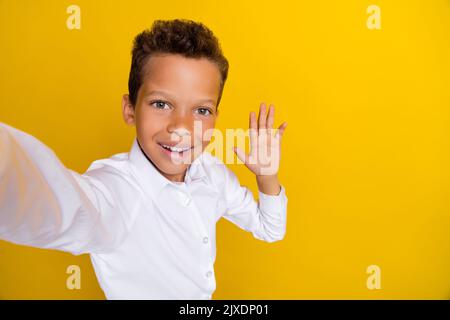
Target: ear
x=128 y=110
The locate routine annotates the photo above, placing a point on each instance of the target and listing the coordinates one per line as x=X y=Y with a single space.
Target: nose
x=180 y=124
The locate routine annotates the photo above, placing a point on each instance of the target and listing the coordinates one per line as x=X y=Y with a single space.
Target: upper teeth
x=175 y=149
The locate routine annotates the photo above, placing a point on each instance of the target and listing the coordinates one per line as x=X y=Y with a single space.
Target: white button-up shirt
x=148 y=237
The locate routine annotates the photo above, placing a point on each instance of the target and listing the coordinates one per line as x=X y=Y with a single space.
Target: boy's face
x=176 y=93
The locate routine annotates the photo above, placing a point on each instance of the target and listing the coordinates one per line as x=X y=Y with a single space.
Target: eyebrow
x=156 y=92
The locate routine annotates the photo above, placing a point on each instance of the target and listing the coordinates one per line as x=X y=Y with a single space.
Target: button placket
x=202 y=233
x=201 y=228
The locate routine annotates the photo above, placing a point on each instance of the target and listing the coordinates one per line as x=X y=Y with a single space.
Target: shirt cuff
x=273 y=203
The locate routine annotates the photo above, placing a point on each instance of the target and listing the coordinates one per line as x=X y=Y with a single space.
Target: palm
x=265 y=143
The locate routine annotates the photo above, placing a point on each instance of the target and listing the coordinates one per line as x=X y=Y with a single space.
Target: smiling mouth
x=175 y=150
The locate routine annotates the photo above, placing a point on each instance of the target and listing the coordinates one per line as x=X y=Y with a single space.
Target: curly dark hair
x=179 y=36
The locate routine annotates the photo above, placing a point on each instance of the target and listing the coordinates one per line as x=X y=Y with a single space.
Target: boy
x=147 y=218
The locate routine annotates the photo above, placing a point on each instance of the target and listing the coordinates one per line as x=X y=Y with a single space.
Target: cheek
x=150 y=123
x=207 y=130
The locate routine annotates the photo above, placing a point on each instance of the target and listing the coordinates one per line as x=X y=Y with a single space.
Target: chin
x=172 y=169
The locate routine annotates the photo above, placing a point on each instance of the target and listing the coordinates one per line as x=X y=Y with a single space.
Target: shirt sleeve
x=43 y=204
x=265 y=219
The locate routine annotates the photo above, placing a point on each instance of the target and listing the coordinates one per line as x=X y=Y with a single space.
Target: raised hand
x=265 y=143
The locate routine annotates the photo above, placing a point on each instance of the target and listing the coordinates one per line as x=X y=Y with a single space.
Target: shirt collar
x=152 y=179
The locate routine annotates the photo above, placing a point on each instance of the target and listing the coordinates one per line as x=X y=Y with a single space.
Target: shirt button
x=208 y=274
x=205 y=240
x=185 y=198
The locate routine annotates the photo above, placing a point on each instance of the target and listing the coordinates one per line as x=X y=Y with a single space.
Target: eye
x=204 y=111
x=159 y=104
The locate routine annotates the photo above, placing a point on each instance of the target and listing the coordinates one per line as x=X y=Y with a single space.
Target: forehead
x=181 y=76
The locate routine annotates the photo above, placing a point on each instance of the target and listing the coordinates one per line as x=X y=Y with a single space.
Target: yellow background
x=365 y=157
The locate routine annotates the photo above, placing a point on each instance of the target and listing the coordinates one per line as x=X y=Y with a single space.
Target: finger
x=281 y=130
x=253 y=133
x=240 y=154
x=270 y=116
x=262 y=116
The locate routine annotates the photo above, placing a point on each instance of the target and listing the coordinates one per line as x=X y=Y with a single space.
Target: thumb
x=240 y=154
